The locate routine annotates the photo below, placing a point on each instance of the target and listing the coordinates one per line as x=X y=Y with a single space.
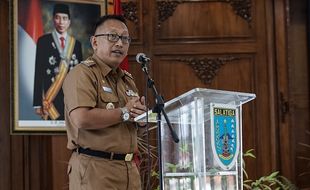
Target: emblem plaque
x=225 y=134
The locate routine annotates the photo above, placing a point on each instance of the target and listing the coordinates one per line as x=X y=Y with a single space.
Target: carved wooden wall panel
x=204 y=21
x=175 y=77
x=241 y=8
x=206 y=69
x=226 y=53
x=134 y=31
x=132 y=13
x=298 y=64
x=211 y=31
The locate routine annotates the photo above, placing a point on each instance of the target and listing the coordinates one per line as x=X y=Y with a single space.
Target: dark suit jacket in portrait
x=48 y=70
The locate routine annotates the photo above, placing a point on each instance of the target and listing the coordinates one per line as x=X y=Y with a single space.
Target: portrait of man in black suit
x=57 y=52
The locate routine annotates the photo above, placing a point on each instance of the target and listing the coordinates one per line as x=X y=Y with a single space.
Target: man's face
x=111 y=52
x=61 y=22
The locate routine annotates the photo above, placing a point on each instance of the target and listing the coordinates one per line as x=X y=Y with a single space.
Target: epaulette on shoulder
x=128 y=74
x=88 y=62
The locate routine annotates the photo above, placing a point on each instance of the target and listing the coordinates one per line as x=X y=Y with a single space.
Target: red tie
x=62 y=40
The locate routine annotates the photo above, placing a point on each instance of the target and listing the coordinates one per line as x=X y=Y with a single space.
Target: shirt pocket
x=108 y=100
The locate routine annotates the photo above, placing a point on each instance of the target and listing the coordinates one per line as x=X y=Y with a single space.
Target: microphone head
x=140 y=57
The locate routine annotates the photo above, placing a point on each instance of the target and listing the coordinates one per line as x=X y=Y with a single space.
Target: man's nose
x=119 y=42
x=61 y=20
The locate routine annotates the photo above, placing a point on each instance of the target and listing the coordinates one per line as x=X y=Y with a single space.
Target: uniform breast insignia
x=74 y=61
x=131 y=93
x=110 y=106
x=56 y=70
x=89 y=62
x=48 y=71
x=107 y=89
x=128 y=74
x=52 y=60
x=53 y=44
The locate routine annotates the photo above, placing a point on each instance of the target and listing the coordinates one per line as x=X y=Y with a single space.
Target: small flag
x=30 y=28
x=118 y=11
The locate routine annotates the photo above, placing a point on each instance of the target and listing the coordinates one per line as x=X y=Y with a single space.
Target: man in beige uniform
x=101 y=101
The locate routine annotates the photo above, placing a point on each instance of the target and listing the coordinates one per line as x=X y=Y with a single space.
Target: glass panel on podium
x=209 y=154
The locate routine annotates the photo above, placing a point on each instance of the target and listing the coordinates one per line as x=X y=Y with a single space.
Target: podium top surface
x=216 y=96
x=208 y=96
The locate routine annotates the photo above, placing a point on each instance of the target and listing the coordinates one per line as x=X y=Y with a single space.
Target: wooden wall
x=228 y=45
x=26 y=162
x=239 y=55
x=298 y=72
x=5 y=172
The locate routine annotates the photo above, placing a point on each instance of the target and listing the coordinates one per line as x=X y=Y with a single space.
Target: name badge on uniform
x=131 y=93
x=110 y=106
x=107 y=89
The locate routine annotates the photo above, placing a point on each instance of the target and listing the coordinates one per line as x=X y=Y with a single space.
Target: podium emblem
x=225 y=134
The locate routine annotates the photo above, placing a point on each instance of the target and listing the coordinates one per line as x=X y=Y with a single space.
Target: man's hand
x=41 y=113
x=136 y=107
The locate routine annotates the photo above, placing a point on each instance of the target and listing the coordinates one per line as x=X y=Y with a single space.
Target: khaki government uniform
x=94 y=84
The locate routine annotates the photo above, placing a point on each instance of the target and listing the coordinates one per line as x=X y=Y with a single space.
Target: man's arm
x=96 y=118
x=38 y=78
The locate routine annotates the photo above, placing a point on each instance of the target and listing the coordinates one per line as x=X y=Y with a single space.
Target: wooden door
x=225 y=45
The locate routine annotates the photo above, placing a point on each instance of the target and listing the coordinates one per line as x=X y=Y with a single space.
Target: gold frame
x=23 y=118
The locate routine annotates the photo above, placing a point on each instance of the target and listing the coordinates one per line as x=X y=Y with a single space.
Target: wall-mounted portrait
x=49 y=39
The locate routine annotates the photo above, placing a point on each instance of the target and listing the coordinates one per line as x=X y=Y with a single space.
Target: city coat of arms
x=225 y=134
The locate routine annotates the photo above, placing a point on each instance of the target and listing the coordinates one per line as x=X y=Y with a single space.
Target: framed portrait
x=48 y=38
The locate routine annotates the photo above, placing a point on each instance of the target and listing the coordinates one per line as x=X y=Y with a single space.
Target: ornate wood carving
x=165 y=10
x=207 y=68
x=130 y=12
x=241 y=7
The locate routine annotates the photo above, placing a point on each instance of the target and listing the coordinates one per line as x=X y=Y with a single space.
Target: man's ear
x=93 y=42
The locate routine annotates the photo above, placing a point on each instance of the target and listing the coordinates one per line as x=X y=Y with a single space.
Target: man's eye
x=113 y=36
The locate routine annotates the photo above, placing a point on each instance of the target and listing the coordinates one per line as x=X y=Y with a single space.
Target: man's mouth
x=117 y=52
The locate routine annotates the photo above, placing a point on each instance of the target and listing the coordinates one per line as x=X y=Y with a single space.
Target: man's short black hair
x=61 y=8
x=104 y=18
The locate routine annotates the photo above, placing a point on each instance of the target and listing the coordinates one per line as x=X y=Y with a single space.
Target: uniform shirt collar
x=106 y=69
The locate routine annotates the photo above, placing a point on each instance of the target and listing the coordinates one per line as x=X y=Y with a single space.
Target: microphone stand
x=159 y=109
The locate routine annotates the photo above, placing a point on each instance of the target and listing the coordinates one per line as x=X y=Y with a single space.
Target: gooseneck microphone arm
x=159 y=108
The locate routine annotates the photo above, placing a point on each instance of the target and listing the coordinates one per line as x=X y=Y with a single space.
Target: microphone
x=142 y=58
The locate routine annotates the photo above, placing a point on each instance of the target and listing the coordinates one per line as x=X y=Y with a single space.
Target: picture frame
x=30 y=21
